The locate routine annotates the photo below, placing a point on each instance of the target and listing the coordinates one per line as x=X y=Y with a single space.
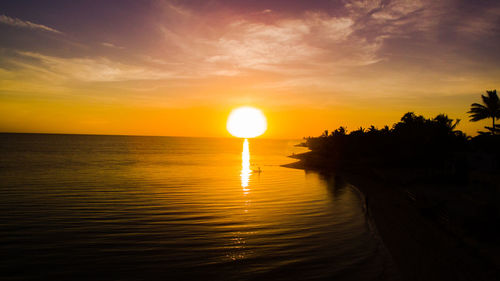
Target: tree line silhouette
x=418 y=152
x=433 y=144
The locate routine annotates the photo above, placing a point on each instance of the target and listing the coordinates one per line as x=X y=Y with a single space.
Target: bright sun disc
x=246 y=122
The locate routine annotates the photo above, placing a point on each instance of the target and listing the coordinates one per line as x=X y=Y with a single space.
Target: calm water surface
x=164 y=208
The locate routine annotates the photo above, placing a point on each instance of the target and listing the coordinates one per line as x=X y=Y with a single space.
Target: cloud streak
x=272 y=42
x=26 y=24
x=111 y=45
x=87 y=69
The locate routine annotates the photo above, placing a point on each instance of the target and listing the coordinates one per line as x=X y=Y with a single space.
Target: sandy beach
x=420 y=248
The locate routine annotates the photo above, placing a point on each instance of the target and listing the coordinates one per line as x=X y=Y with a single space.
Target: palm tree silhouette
x=490 y=109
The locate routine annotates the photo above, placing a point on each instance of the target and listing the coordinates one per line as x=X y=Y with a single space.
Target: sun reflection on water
x=245 y=167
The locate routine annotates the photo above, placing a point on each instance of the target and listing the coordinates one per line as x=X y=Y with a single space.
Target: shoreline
x=390 y=272
x=418 y=247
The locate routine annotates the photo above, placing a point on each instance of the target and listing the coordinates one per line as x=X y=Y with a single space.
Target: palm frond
x=492 y=96
x=477 y=106
x=478 y=112
x=489 y=109
x=456 y=124
x=491 y=101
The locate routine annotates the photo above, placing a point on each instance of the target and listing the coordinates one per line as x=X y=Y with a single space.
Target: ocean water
x=168 y=208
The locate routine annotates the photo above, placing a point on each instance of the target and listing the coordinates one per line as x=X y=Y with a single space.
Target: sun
x=246 y=122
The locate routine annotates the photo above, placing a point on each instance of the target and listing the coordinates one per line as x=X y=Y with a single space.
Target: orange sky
x=178 y=67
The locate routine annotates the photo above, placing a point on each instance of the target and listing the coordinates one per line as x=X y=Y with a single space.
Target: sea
x=93 y=207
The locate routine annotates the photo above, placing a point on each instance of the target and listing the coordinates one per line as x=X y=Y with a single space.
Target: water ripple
x=132 y=208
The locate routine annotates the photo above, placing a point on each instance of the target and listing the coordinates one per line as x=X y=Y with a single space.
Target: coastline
x=390 y=271
x=419 y=248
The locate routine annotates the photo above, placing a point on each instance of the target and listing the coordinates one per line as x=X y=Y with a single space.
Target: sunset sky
x=178 y=67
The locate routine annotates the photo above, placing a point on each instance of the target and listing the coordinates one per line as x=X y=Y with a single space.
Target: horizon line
x=127 y=135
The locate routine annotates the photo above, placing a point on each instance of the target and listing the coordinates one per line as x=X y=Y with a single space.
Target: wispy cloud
x=111 y=45
x=259 y=46
x=26 y=24
x=479 y=22
x=280 y=44
x=88 y=69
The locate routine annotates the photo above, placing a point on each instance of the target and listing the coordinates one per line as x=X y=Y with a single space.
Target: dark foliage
x=415 y=141
x=489 y=109
x=450 y=178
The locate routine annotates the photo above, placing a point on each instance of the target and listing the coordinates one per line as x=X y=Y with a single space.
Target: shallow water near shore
x=131 y=208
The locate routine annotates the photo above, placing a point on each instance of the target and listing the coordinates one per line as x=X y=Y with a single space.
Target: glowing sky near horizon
x=179 y=67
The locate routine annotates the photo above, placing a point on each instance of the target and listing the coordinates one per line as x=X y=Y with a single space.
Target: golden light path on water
x=190 y=210
x=245 y=167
